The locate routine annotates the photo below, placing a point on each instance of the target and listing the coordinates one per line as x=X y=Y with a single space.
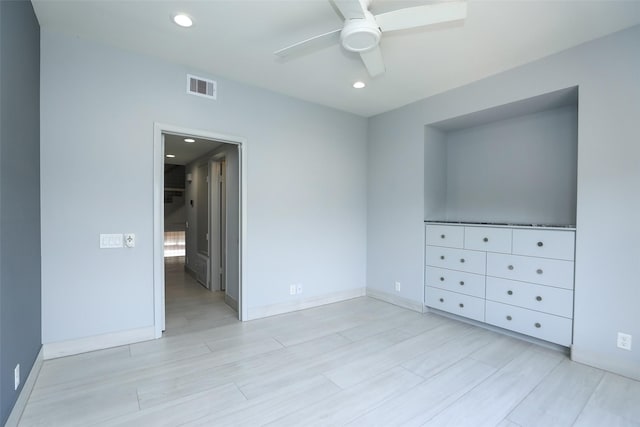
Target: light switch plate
x=110 y=241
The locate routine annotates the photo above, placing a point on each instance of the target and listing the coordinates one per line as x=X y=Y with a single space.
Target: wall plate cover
x=130 y=240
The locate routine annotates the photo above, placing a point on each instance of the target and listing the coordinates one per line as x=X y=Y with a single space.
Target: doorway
x=213 y=220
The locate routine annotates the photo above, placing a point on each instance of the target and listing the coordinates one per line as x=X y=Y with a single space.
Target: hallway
x=190 y=307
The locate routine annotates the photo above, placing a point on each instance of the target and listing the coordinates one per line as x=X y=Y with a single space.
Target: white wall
x=232 y=184
x=306 y=220
x=607 y=269
x=518 y=170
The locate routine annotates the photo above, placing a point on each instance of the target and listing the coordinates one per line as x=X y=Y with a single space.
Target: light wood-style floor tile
x=615 y=402
x=419 y=404
x=346 y=405
x=559 y=398
x=492 y=400
x=360 y=362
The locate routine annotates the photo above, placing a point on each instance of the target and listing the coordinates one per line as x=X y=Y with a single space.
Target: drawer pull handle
x=539 y=271
x=510 y=267
x=442 y=236
x=537 y=325
x=461 y=283
x=538 y=298
x=510 y=292
x=509 y=317
x=461 y=259
x=486 y=239
x=461 y=305
x=540 y=244
x=441 y=256
x=442 y=279
x=441 y=299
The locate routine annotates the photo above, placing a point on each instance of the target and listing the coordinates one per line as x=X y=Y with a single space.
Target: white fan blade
x=350 y=9
x=314 y=42
x=420 y=16
x=373 y=61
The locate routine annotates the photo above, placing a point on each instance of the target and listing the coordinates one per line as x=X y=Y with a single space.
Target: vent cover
x=201 y=87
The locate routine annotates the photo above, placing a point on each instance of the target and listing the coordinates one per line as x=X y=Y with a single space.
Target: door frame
x=218 y=244
x=158 y=214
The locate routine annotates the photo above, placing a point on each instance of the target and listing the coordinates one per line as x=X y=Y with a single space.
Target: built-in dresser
x=520 y=278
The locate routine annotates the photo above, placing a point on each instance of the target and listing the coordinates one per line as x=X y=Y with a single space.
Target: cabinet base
x=527 y=338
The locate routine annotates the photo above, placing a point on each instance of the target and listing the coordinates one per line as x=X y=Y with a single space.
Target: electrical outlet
x=299 y=288
x=624 y=341
x=292 y=289
x=397 y=286
x=16 y=377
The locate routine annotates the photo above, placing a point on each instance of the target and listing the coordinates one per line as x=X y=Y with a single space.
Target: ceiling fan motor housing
x=360 y=35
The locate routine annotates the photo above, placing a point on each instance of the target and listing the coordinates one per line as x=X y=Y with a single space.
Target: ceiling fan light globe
x=358 y=35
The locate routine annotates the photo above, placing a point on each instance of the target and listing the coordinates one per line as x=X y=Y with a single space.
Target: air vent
x=201 y=87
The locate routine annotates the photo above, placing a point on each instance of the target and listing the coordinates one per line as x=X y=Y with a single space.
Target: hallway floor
x=190 y=307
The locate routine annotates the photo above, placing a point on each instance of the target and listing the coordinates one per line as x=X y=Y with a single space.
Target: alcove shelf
x=511 y=164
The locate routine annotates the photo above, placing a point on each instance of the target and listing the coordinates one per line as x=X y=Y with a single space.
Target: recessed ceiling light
x=171 y=156
x=183 y=20
x=189 y=140
x=359 y=85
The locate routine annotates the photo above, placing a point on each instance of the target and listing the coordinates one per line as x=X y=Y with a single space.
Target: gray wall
x=521 y=170
x=194 y=191
x=232 y=183
x=607 y=269
x=306 y=220
x=20 y=337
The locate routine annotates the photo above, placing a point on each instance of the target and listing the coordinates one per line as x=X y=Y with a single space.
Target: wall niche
x=514 y=164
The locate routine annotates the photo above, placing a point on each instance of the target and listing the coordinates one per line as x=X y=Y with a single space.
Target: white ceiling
x=186 y=152
x=236 y=39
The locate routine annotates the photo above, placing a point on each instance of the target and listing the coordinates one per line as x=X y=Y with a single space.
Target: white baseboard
x=231 y=301
x=287 y=307
x=396 y=300
x=600 y=361
x=98 y=342
x=23 y=397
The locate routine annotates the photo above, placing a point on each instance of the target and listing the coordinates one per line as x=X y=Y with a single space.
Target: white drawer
x=457 y=281
x=527 y=295
x=558 y=244
x=488 y=239
x=452 y=302
x=540 y=325
x=456 y=259
x=551 y=272
x=451 y=236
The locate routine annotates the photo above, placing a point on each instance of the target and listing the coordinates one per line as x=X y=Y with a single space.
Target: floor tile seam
x=405 y=359
x=533 y=389
x=388 y=398
x=471 y=356
x=487 y=378
x=351 y=340
x=88 y=381
x=540 y=383
x=591 y=395
x=316 y=402
x=118 y=383
x=467 y=356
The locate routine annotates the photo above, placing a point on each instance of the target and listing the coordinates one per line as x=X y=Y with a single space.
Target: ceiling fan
x=362 y=30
